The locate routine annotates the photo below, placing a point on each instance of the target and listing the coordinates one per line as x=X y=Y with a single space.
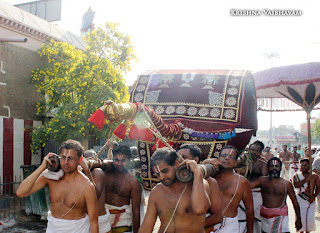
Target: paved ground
x=33 y=224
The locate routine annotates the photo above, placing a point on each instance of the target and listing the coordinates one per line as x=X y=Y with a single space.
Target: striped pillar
x=15 y=148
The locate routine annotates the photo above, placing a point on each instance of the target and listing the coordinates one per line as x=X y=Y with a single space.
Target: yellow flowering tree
x=75 y=83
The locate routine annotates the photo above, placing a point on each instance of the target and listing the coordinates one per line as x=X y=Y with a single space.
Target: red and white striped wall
x=15 y=147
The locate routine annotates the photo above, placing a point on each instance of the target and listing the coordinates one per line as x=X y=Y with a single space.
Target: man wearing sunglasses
x=74 y=207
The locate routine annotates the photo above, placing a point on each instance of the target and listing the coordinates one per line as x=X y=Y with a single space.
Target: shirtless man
x=268 y=155
x=181 y=207
x=286 y=158
x=259 y=168
x=274 y=191
x=193 y=152
x=295 y=165
x=122 y=188
x=306 y=194
x=72 y=197
x=234 y=188
x=97 y=177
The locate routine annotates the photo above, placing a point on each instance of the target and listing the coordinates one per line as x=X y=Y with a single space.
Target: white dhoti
x=294 y=167
x=68 y=226
x=307 y=211
x=228 y=225
x=285 y=172
x=120 y=216
x=242 y=218
x=104 y=223
x=257 y=202
x=274 y=220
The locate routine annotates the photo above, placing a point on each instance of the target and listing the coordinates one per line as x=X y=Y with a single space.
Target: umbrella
x=297 y=83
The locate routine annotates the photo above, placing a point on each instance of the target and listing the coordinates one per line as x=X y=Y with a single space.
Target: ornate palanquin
x=213 y=108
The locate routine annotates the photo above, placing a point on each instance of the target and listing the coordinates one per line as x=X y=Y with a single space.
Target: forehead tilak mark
x=157 y=169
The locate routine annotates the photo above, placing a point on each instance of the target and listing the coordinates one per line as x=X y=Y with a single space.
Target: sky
x=202 y=34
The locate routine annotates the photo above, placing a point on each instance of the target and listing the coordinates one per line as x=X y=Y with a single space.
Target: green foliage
x=316 y=129
x=75 y=83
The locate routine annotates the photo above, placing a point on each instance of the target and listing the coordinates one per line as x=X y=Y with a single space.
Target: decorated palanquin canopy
x=212 y=107
x=209 y=108
x=288 y=88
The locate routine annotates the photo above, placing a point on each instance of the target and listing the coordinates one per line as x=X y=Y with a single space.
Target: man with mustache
x=274 y=191
x=234 y=189
x=74 y=206
x=122 y=193
x=181 y=207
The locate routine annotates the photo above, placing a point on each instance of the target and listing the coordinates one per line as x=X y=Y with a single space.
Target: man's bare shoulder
x=262 y=160
x=243 y=180
x=212 y=182
x=315 y=175
x=287 y=182
x=157 y=193
x=132 y=179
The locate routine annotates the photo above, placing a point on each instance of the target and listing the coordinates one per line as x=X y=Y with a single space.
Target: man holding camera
x=74 y=207
x=180 y=206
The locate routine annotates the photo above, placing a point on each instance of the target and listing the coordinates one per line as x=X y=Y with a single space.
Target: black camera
x=184 y=174
x=55 y=163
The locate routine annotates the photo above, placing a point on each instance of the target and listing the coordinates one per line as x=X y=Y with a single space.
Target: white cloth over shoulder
x=307 y=211
x=303 y=188
x=229 y=225
x=52 y=175
x=68 y=226
x=120 y=215
x=104 y=223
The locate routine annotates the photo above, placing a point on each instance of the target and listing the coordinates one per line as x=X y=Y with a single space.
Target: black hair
x=195 y=151
x=72 y=144
x=305 y=160
x=122 y=149
x=164 y=154
x=258 y=143
x=274 y=158
x=230 y=147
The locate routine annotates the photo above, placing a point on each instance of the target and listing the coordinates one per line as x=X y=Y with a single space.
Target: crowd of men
x=108 y=198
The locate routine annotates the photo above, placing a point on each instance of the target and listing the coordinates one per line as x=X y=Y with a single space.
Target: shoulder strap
x=175 y=208
x=225 y=208
x=77 y=199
